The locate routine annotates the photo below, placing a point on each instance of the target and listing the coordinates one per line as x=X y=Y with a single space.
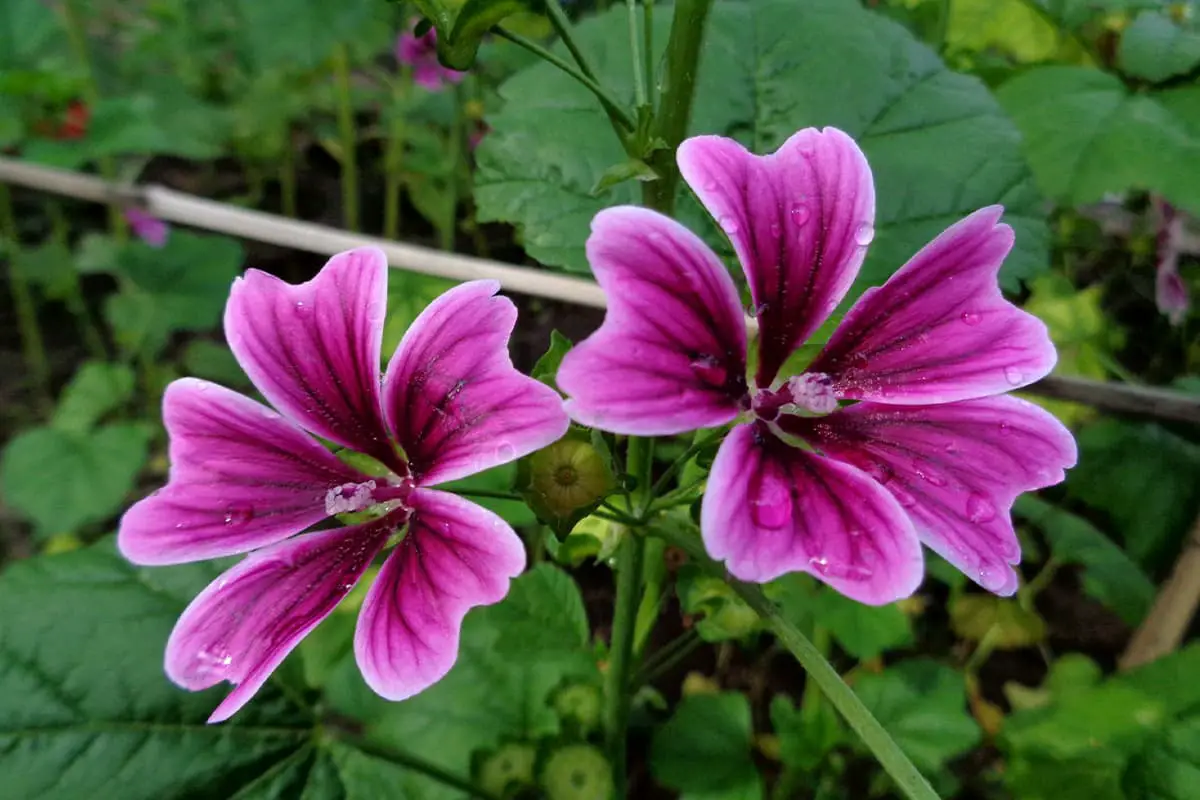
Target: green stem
x=287 y=176
x=664 y=660
x=449 y=228
x=74 y=299
x=688 y=455
x=562 y=26
x=943 y=26
x=618 y=115
x=620 y=665
x=32 y=345
x=648 y=39
x=897 y=765
x=810 y=703
x=77 y=35
x=345 y=118
x=419 y=765
x=489 y=494
x=639 y=76
x=393 y=159
x=675 y=101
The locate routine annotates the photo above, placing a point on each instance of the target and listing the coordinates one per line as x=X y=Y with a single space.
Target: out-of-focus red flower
x=73 y=125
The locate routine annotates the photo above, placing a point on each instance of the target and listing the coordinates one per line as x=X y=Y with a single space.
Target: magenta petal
x=455 y=556
x=800 y=220
x=671 y=354
x=939 y=330
x=956 y=468
x=241 y=477
x=245 y=622
x=313 y=349
x=771 y=508
x=454 y=400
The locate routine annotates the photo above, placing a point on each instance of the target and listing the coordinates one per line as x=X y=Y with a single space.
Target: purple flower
x=929 y=452
x=151 y=230
x=247 y=478
x=1170 y=292
x=420 y=53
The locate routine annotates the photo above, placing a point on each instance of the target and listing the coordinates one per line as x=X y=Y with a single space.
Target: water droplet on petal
x=772 y=508
x=236 y=516
x=729 y=225
x=864 y=234
x=710 y=185
x=1014 y=376
x=800 y=214
x=926 y=473
x=952 y=448
x=823 y=567
x=775 y=229
x=970 y=318
x=979 y=508
x=709 y=370
x=1005 y=429
x=505 y=452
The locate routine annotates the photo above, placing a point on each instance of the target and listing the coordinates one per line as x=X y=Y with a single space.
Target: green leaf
x=49 y=266
x=805 y=738
x=1169 y=767
x=634 y=169
x=938 y=144
x=1109 y=574
x=214 y=362
x=462 y=26
x=723 y=615
x=96 y=389
x=298 y=37
x=167 y=120
x=1112 y=717
x=62 y=480
x=547 y=366
x=1087 y=777
x=31 y=36
x=1086 y=135
x=544 y=612
x=862 y=631
x=1155 y=48
x=1172 y=677
x=1010 y=626
x=1144 y=478
x=923 y=705
x=703 y=751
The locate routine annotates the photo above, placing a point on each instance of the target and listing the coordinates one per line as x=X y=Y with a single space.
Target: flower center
x=351 y=497
x=810 y=394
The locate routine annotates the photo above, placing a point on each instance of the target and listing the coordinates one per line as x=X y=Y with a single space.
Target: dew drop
x=952 y=448
x=927 y=474
x=709 y=370
x=776 y=231
x=710 y=185
x=729 y=225
x=800 y=214
x=772 y=508
x=1013 y=375
x=236 y=516
x=979 y=508
x=825 y=569
x=864 y=234
x=505 y=452
x=1005 y=429
x=970 y=318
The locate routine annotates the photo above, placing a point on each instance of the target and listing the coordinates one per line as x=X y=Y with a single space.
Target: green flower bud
x=508 y=769
x=578 y=705
x=564 y=482
x=577 y=772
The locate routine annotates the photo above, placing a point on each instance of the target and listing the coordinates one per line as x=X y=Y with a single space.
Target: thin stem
x=490 y=494
x=393 y=160
x=639 y=76
x=669 y=657
x=449 y=227
x=621 y=656
x=74 y=299
x=562 y=26
x=648 y=39
x=810 y=703
x=678 y=463
x=77 y=35
x=619 y=515
x=287 y=176
x=897 y=765
x=419 y=765
x=675 y=101
x=619 y=116
x=346 y=131
x=943 y=26
x=32 y=345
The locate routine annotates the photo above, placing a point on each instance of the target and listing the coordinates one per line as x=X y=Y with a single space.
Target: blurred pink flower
x=150 y=229
x=420 y=53
x=1170 y=292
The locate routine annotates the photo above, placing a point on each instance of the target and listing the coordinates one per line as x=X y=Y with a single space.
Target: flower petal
x=771 y=508
x=671 y=354
x=313 y=349
x=456 y=556
x=241 y=477
x=245 y=622
x=454 y=400
x=800 y=220
x=939 y=330
x=956 y=468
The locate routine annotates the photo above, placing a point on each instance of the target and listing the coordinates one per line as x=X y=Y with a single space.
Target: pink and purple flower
x=420 y=53
x=147 y=227
x=899 y=431
x=246 y=478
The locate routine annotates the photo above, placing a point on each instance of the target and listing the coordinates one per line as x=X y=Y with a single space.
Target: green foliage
x=543 y=613
x=862 y=631
x=461 y=26
x=938 y=145
x=703 y=751
x=97 y=389
x=547 y=366
x=1154 y=48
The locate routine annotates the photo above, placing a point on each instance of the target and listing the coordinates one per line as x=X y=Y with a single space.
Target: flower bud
x=578 y=705
x=564 y=482
x=577 y=772
x=509 y=767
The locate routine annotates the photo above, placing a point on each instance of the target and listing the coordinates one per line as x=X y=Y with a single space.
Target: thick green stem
x=77 y=35
x=620 y=663
x=639 y=75
x=419 y=765
x=349 y=138
x=74 y=299
x=648 y=37
x=897 y=765
x=287 y=176
x=810 y=703
x=675 y=100
x=32 y=345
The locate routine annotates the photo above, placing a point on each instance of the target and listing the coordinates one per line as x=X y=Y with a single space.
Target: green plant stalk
x=667 y=659
x=675 y=99
x=418 y=765
x=73 y=22
x=562 y=26
x=33 y=347
x=393 y=158
x=346 y=131
x=810 y=703
x=639 y=75
x=648 y=39
x=448 y=230
x=678 y=463
x=907 y=777
x=287 y=176
x=92 y=338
